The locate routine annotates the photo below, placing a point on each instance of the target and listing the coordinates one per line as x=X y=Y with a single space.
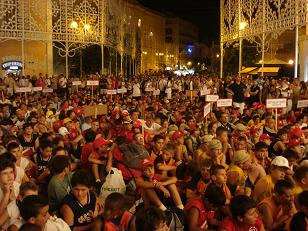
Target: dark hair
x=207 y=163
x=289 y=153
x=57 y=140
x=12 y=146
x=157 y=138
x=300 y=173
x=82 y=177
x=303 y=199
x=149 y=219
x=215 y=168
x=89 y=135
x=299 y=222
x=57 y=149
x=239 y=205
x=7 y=160
x=59 y=163
x=210 y=126
x=115 y=200
x=260 y=145
x=215 y=195
x=282 y=185
x=45 y=143
x=26 y=125
x=24 y=187
x=30 y=227
x=170 y=147
x=221 y=130
x=31 y=206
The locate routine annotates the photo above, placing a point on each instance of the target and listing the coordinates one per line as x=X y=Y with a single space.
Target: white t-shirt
x=136 y=90
x=154 y=127
x=56 y=224
x=20 y=173
x=14 y=214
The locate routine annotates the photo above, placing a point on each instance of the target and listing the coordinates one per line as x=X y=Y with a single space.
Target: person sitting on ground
x=278 y=209
x=115 y=215
x=151 y=219
x=11 y=216
x=153 y=185
x=299 y=221
x=101 y=155
x=80 y=207
x=219 y=177
x=157 y=147
x=265 y=186
x=60 y=184
x=244 y=216
x=165 y=165
x=301 y=180
x=181 y=153
x=201 y=211
x=34 y=210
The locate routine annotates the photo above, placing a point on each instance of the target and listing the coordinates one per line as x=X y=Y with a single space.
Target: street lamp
x=242 y=26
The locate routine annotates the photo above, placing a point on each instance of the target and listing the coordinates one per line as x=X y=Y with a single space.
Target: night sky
x=202 y=13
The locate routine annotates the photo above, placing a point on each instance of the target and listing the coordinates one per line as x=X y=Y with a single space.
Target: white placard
x=302 y=103
x=76 y=83
x=37 y=88
x=23 y=89
x=47 y=90
x=92 y=83
x=276 y=103
x=207 y=109
x=156 y=92
x=148 y=89
x=112 y=92
x=224 y=103
x=211 y=98
x=122 y=90
x=205 y=92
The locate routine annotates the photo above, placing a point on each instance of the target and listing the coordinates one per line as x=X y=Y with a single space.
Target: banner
x=302 y=103
x=207 y=109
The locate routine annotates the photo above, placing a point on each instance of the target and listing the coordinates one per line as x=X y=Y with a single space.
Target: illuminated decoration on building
x=264 y=20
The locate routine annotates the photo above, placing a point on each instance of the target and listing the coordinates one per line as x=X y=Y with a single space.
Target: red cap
x=293 y=143
x=297 y=132
x=176 y=135
x=292 y=119
x=137 y=124
x=100 y=142
x=265 y=137
x=146 y=163
x=254 y=129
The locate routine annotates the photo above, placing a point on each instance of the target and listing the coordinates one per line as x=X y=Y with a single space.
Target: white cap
x=63 y=131
x=280 y=161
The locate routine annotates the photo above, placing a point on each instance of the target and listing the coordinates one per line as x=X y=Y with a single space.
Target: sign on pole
x=76 y=83
x=211 y=98
x=112 y=92
x=302 y=103
x=92 y=83
x=207 y=109
x=37 y=88
x=205 y=92
x=47 y=90
x=276 y=103
x=23 y=89
x=121 y=90
x=224 y=103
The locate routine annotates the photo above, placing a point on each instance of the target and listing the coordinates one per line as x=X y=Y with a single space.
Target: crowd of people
x=235 y=169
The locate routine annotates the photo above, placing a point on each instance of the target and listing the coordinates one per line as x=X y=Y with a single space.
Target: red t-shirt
x=231 y=225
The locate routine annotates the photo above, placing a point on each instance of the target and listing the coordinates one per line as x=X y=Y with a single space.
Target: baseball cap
x=100 y=142
x=265 y=137
x=297 y=132
x=137 y=123
x=176 y=135
x=206 y=139
x=63 y=131
x=280 y=161
x=214 y=144
x=293 y=143
x=125 y=113
x=146 y=163
x=241 y=157
x=67 y=120
x=240 y=127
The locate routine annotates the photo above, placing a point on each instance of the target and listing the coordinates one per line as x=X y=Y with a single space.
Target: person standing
x=237 y=90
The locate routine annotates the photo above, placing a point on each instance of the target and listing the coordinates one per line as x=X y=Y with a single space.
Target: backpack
x=133 y=155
